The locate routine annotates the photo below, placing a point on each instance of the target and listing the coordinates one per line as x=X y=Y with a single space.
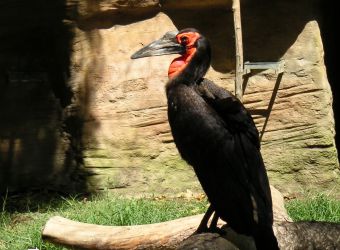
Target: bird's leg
x=203 y=227
x=213 y=225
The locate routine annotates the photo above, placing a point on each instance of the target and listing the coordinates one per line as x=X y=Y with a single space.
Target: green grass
x=314 y=208
x=22 y=218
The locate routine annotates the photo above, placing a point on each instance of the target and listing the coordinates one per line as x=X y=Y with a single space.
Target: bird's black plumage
x=216 y=135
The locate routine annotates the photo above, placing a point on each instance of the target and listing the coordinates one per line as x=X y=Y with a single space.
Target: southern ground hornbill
x=216 y=135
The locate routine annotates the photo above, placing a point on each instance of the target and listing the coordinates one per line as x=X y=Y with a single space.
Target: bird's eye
x=184 y=40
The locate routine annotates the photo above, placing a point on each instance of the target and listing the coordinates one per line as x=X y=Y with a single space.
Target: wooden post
x=239 y=49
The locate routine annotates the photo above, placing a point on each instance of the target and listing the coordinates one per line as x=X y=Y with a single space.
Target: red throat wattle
x=187 y=39
x=179 y=63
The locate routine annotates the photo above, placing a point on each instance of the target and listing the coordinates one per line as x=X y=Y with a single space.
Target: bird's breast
x=194 y=124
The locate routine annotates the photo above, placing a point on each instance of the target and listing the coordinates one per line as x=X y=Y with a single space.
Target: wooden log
x=308 y=235
x=290 y=235
x=165 y=235
x=176 y=234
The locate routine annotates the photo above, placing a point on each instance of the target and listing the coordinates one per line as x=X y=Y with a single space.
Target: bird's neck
x=191 y=67
x=180 y=63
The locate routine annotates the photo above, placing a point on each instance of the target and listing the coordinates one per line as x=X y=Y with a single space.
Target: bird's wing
x=246 y=163
x=230 y=109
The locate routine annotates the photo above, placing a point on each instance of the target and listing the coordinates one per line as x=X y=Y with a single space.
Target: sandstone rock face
x=114 y=125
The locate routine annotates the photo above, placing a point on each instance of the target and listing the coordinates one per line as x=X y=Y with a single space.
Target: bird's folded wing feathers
x=247 y=162
x=230 y=109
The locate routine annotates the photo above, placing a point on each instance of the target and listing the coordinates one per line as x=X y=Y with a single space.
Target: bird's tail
x=265 y=239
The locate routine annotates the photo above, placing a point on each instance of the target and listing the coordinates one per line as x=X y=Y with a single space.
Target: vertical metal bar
x=238 y=48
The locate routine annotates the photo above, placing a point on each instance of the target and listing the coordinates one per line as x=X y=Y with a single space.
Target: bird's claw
x=206 y=229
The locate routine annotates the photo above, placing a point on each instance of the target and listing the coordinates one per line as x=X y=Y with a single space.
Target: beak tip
x=136 y=55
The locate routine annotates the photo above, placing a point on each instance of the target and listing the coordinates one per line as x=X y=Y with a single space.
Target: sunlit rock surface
x=77 y=112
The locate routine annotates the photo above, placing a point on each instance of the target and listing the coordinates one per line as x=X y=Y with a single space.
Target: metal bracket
x=277 y=66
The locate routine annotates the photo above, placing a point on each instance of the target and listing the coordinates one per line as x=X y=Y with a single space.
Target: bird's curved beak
x=166 y=45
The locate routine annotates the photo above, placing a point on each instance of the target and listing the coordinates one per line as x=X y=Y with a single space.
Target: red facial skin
x=178 y=64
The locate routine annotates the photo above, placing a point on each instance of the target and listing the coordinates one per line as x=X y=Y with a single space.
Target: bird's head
x=190 y=44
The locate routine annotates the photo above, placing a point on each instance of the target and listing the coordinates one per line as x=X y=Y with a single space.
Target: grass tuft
x=314 y=208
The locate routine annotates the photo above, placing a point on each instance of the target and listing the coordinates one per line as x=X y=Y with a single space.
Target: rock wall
x=103 y=120
x=35 y=136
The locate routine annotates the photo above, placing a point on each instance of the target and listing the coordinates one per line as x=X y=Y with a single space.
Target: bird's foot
x=205 y=229
x=201 y=229
x=217 y=230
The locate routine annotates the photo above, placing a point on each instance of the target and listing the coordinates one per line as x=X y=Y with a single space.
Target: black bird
x=216 y=135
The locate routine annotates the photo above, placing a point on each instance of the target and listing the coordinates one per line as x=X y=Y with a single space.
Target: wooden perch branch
x=166 y=235
x=173 y=234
